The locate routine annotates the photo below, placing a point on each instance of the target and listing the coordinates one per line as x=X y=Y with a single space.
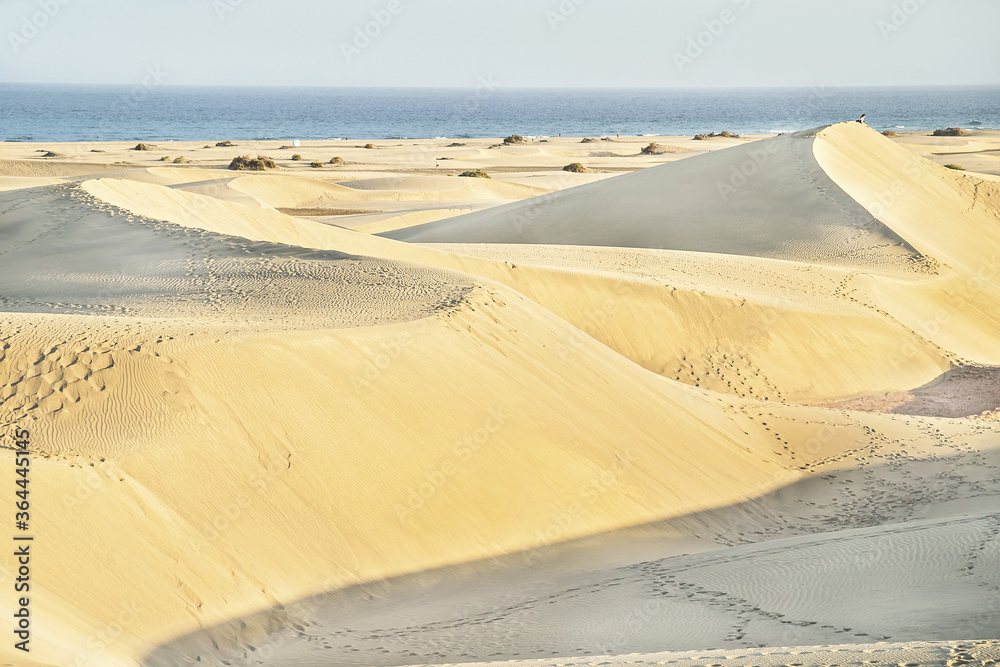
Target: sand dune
x=156 y=270
x=765 y=311
x=184 y=175
x=643 y=314
x=878 y=516
x=50 y=169
x=734 y=598
x=152 y=392
x=261 y=439
x=383 y=223
x=445 y=187
x=306 y=192
x=917 y=295
x=20 y=183
x=766 y=199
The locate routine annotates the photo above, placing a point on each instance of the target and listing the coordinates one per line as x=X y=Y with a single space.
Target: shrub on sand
x=180 y=160
x=955 y=167
x=952 y=132
x=144 y=147
x=576 y=168
x=725 y=133
x=246 y=163
x=316 y=165
x=475 y=173
x=370 y=146
x=587 y=140
x=337 y=160
x=224 y=144
x=651 y=149
x=297 y=158
x=514 y=139
x=890 y=133
x=165 y=158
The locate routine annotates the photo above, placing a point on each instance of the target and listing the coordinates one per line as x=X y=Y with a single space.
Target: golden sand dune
x=375 y=224
x=646 y=315
x=21 y=182
x=182 y=175
x=739 y=597
x=853 y=330
x=51 y=168
x=98 y=261
x=292 y=191
x=937 y=283
x=768 y=199
x=445 y=187
x=325 y=420
x=260 y=439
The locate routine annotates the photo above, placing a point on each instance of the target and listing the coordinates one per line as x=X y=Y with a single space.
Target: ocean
x=108 y=113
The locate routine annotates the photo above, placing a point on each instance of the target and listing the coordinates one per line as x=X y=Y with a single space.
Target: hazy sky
x=460 y=43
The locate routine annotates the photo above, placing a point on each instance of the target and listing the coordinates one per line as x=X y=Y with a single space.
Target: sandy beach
x=732 y=401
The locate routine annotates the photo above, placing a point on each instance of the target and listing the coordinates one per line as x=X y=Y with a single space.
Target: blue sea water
x=103 y=113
